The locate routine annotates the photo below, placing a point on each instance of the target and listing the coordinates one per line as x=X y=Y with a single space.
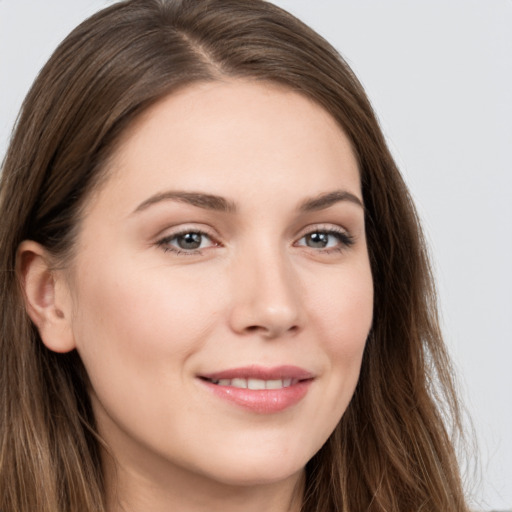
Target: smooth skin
x=168 y=283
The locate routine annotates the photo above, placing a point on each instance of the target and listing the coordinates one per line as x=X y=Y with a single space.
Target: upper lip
x=260 y=372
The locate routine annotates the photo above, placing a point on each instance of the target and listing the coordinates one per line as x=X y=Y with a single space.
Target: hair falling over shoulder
x=393 y=449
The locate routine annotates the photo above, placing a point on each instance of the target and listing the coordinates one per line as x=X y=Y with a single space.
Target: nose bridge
x=267 y=298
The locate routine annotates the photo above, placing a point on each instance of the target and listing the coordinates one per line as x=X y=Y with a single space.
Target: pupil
x=189 y=241
x=318 y=240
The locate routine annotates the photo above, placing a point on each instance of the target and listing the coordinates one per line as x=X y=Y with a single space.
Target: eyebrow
x=218 y=203
x=324 y=201
x=206 y=201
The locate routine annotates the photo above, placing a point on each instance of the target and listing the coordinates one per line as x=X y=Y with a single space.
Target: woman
x=215 y=291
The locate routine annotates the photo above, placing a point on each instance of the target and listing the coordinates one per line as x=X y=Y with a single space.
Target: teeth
x=239 y=383
x=255 y=384
x=274 y=384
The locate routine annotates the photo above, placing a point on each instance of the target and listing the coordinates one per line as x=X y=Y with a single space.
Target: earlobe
x=47 y=298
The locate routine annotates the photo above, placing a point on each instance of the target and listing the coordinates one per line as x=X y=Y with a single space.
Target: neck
x=133 y=490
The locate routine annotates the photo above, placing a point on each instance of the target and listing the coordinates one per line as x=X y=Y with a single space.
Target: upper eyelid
x=171 y=236
x=346 y=237
x=342 y=234
x=180 y=229
x=164 y=239
x=323 y=227
x=164 y=242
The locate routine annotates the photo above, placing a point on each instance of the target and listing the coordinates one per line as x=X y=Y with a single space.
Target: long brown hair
x=392 y=450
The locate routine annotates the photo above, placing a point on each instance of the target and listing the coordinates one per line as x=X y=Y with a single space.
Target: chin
x=262 y=468
x=257 y=476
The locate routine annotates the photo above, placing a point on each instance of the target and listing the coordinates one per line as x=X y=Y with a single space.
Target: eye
x=331 y=239
x=186 y=242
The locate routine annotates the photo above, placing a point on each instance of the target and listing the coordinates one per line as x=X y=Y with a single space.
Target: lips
x=255 y=384
x=260 y=389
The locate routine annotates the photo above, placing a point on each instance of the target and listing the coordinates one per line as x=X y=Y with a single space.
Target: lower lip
x=262 y=401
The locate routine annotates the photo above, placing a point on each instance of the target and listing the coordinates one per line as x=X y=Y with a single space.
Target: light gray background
x=439 y=74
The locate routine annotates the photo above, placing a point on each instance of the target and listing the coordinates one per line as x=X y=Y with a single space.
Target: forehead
x=222 y=134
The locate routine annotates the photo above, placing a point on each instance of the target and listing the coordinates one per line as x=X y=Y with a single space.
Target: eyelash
x=164 y=243
x=345 y=241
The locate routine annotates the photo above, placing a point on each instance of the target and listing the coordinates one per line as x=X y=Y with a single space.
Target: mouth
x=254 y=384
x=259 y=389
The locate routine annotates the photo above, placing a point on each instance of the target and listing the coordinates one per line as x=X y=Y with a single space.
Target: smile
x=254 y=384
x=260 y=390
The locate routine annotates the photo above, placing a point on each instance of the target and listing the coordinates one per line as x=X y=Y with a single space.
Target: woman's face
x=221 y=289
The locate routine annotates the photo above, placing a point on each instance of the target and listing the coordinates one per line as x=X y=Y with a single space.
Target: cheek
x=137 y=331
x=141 y=312
x=136 y=335
x=342 y=314
x=345 y=318
x=345 y=312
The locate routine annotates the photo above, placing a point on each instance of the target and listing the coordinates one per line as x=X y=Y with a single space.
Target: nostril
x=271 y=330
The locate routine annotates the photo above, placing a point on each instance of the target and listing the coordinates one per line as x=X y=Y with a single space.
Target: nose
x=266 y=296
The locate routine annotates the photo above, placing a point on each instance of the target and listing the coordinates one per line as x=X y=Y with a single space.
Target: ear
x=47 y=297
